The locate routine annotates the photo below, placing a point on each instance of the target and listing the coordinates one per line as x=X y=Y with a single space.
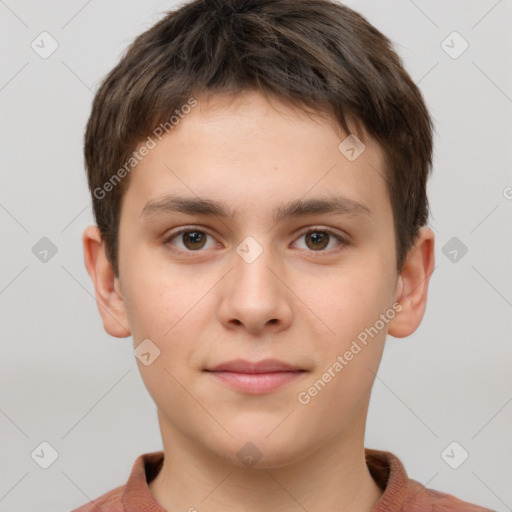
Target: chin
x=257 y=451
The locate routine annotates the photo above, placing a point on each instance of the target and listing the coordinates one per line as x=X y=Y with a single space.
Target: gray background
x=65 y=381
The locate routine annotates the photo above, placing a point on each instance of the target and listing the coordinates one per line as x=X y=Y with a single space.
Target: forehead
x=249 y=150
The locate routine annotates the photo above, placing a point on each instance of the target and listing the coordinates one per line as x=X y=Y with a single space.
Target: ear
x=108 y=290
x=412 y=285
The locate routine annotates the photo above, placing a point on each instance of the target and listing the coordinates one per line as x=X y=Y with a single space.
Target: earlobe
x=412 y=286
x=107 y=287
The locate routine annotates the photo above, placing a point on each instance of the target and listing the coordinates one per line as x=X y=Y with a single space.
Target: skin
x=300 y=301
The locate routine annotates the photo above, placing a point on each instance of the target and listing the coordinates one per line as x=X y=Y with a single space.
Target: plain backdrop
x=66 y=382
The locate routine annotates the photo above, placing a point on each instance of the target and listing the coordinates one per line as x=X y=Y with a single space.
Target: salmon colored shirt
x=400 y=492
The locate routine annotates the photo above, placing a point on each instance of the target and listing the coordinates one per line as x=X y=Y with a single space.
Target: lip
x=255 y=377
x=264 y=366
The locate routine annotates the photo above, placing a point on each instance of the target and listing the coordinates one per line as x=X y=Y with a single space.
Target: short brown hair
x=318 y=55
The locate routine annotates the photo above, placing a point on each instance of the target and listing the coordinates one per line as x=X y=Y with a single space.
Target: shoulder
x=109 y=502
x=405 y=494
x=437 y=501
x=135 y=494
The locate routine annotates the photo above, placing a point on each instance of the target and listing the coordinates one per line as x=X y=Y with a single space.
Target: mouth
x=255 y=377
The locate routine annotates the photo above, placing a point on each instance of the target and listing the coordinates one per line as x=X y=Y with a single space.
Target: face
x=247 y=274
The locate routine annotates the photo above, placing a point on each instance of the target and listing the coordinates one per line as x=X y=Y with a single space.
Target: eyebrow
x=336 y=205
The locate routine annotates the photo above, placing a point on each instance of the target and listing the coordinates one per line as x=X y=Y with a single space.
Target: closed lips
x=264 y=366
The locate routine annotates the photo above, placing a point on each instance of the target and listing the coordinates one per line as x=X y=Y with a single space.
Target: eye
x=318 y=239
x=192 y=239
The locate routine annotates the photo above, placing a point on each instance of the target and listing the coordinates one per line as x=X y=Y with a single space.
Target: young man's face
x=256 y=286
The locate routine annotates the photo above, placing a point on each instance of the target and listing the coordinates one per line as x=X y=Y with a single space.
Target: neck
x=333 y=477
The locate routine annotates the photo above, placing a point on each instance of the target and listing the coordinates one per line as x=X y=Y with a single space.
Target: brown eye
x=188 y=240
x=317 y=240
x=193 y=239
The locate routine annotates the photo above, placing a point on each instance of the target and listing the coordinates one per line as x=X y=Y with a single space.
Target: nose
x=254 y=295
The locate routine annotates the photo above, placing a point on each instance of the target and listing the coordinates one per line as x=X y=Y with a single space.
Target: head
x=257 y=117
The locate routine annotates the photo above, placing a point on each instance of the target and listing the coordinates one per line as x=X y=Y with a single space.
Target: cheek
x=350 y=362
x=166 y=318
x=166 y=308
x=155 y=301
x=346 y=303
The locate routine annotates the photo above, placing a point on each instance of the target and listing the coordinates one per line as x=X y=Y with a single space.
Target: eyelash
x=331 y=233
